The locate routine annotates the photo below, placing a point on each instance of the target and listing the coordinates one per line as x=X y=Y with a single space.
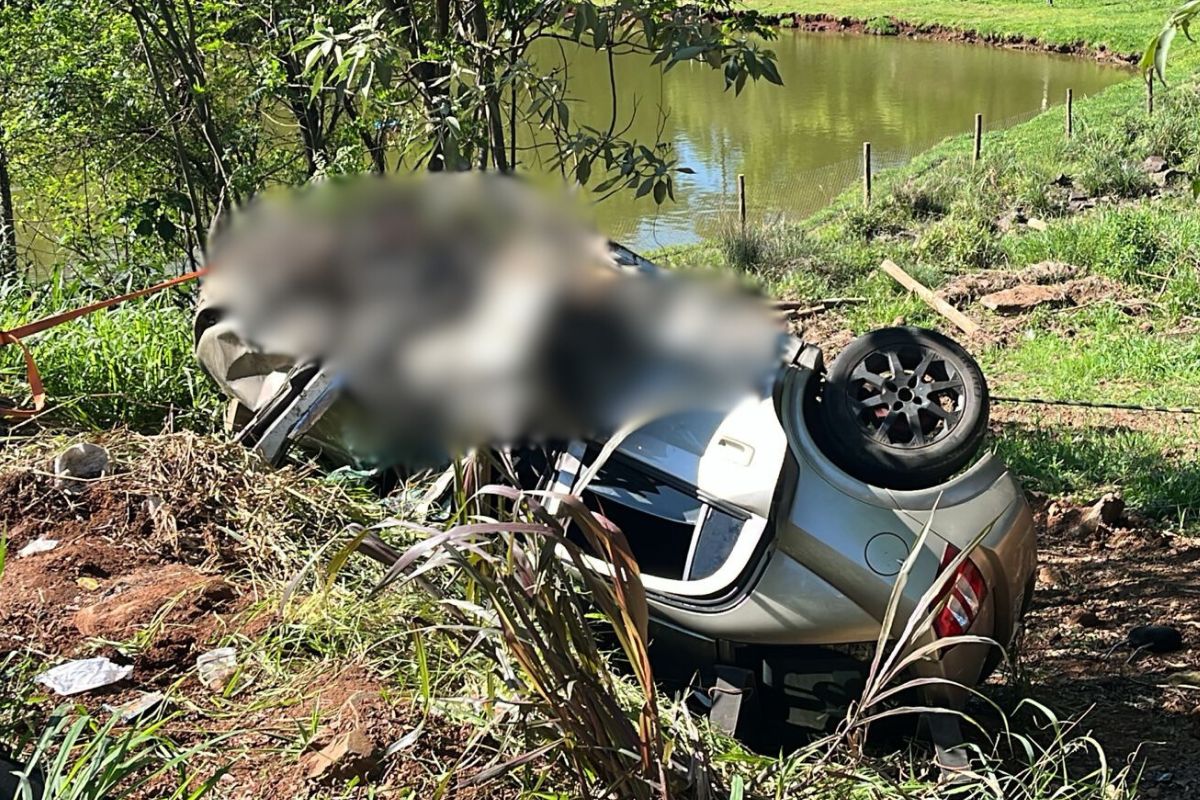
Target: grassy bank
x=1120 y=26
x=945 y=219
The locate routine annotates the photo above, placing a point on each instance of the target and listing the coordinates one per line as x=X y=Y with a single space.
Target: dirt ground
x=1092 y=589
x=112 y=586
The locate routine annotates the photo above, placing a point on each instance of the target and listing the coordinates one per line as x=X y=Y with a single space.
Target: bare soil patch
x=154 y=575
x=1092 y=589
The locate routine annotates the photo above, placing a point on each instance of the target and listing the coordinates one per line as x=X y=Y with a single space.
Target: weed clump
x=882 y=26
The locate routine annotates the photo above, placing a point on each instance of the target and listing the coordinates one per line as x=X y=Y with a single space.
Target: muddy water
x=801 y=144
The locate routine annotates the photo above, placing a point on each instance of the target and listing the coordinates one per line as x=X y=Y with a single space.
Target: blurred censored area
x=465 y=310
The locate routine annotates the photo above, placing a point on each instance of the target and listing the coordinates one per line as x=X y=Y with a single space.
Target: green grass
x=1123 y=26
x=132 y=365
x=1157 y=472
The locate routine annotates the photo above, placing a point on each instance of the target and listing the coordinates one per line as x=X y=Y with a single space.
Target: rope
x=1087 y=404
x=14 y=336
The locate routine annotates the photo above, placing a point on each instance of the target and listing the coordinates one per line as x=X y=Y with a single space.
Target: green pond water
x=799 y=145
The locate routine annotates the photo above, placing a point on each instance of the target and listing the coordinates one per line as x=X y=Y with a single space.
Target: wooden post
x=1070 y=113
x=742 y=199
x=978 y=139
x=866 y=173
x=1150 y=93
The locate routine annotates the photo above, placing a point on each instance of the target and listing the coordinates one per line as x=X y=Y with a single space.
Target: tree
x=448 y=83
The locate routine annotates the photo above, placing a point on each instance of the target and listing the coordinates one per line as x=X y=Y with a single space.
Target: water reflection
x=798 y=145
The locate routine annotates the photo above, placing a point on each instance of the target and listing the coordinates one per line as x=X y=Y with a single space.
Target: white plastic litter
x=84 y=675
x=38 y=545
x=216 y=667
x=80 y=462
x=128 y=712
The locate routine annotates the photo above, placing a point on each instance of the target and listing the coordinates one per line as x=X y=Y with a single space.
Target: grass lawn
x=1123 y=26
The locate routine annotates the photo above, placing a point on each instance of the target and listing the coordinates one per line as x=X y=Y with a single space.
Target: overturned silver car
x=769 y=531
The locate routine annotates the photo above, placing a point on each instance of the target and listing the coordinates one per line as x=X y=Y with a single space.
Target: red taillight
x=962 y=595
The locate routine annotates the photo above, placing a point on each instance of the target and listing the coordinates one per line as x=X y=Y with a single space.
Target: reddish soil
x=825 y=23
x=112 y=578
x=1092 y=589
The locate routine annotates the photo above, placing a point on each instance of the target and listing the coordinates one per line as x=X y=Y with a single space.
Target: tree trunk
x=8 y=220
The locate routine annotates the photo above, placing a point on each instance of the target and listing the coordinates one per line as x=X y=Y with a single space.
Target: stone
x=1155 y=638
x=1036 y=224
x=1109 y=509
x=1026 y=297
x=1155 y=165
x=349 y=755
x=1006 y=222
x=1049 y=575
x=1166 y=178
x=80 y=462
x=1048 y=272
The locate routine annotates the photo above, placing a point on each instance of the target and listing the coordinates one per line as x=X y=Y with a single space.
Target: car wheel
x=902 y=408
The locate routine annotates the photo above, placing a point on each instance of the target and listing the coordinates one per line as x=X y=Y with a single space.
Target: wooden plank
x=965 y=323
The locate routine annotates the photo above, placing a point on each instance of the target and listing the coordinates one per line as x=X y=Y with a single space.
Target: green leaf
x=583 y=171
x=166 y=228
x=660 y=192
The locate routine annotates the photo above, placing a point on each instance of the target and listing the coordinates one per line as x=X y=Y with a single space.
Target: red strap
x=15 y=336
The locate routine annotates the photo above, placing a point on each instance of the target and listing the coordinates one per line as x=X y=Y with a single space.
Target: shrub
x=961 y=243
x=1106 y=162
x=882 y=26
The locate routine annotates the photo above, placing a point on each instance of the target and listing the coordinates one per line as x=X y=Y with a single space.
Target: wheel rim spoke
x=914 y=422
x=861 y=373
x=894 y=363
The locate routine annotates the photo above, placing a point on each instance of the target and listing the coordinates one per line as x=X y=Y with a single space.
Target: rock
x=1166 y=178
x=1085 y=619
x=1036 y=224
x=349 y=755
x=1048 y=272
x=1062 y=180
x=1106 y=512
x=1155 y=165
x=80 y=462
x=1109 y=509
x=1155 y=638
x=899 y=322
x=38 y=545
x=1006 y=222
x=1026 y=297
x=1049 y=575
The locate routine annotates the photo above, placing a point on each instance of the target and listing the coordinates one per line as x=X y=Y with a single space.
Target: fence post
x=1070 y=113
x=1150 y=93
x=866 y=173
x=978 y=139
x=742 y=200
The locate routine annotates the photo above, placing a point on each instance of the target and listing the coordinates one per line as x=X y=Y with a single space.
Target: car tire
x=902 y=408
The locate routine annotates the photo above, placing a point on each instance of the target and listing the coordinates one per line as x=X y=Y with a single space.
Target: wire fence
x=783 y=195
